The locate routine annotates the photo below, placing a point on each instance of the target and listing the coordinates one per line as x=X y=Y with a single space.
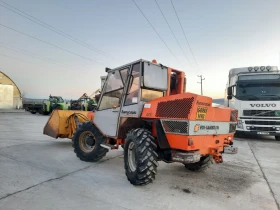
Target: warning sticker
x=201 y=113
x=147 y=106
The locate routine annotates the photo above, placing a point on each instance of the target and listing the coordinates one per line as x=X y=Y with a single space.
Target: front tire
x=202 y=165
x=140 y=157
x=86 y=142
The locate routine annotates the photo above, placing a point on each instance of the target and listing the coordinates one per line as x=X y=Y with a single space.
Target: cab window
x=134 y=84
x=113 y=90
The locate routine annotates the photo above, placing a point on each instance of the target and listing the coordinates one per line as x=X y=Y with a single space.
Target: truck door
x=107 y=114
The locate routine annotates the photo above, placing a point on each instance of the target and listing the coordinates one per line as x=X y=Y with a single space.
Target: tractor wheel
x=86 y=142
x=202 y=165
x=140 y=157
x=43 y=110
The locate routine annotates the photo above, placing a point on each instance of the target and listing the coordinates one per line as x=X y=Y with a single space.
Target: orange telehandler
x=144 y=108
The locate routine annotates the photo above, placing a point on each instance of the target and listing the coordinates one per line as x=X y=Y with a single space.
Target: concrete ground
x=38 y=172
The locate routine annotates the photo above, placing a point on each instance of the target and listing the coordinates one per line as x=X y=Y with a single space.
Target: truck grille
x=255 y=122
x=262 y=129
x=261 y=113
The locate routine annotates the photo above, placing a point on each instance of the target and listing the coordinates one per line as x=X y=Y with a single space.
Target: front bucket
x=62 y=122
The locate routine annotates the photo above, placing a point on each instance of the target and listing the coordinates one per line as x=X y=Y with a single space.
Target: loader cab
x=125 y=91
x=56 y=99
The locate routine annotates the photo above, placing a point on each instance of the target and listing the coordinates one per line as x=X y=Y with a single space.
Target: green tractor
x=89 y=104
x=54 y=103
x=84 y=103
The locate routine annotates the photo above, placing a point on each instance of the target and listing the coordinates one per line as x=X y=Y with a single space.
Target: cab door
x=107 y=114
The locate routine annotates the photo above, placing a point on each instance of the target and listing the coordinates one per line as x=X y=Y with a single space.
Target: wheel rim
x=87 y=141
x=131 y=156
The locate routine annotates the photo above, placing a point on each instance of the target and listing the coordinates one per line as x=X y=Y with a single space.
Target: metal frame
x=125 y=88
x=185 y=121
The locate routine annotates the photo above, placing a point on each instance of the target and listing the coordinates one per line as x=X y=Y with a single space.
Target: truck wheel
x=202 y=165
x=33 y=112
x=140 y=157
x=86 y=142
x=277 y=138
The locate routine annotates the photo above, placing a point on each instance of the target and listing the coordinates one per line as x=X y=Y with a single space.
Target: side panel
x=107 y=121
x=134 y=110
x=204 y=143
x=197 y=128
x=186 y=106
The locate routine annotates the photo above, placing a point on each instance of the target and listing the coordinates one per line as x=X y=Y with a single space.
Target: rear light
x=190 y=142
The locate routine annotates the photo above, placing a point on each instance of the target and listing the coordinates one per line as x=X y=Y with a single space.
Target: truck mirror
x=229 y=91
x=229 y=97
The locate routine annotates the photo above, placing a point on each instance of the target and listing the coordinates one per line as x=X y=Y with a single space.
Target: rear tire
x=202 y=165
x=277 y=138
x=140 y=157
x=86 y=142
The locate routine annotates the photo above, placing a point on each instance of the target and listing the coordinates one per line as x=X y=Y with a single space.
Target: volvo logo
x=263 y=105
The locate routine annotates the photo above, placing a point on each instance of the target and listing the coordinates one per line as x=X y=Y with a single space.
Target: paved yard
x=38 y=172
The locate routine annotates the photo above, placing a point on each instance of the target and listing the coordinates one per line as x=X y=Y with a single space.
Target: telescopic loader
x=143 y=107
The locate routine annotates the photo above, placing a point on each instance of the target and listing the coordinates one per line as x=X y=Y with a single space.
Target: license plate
x=263 y=133
x=230 y=150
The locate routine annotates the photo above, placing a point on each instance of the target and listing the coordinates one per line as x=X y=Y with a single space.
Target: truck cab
x=255 y=93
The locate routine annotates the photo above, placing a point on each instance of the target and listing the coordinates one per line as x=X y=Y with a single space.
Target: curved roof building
x=10 y=95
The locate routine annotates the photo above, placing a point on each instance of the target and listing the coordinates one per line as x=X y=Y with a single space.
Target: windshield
x=56 y=99
x=258 y=90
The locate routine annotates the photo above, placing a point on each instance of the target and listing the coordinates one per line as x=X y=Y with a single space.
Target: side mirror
x=229 y=91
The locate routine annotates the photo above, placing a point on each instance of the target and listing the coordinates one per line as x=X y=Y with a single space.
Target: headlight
x=250 y=68
x=256 y=68
x=262 y=68
x=239 y=124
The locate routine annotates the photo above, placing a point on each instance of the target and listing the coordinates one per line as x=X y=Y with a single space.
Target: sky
x=222 y=35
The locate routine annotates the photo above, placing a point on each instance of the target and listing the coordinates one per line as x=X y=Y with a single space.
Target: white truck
x=255 y=93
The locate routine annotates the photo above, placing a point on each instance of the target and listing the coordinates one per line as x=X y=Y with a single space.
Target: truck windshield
x=258 y=90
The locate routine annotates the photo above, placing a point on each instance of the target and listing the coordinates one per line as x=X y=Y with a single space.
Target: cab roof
x=255 y=69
